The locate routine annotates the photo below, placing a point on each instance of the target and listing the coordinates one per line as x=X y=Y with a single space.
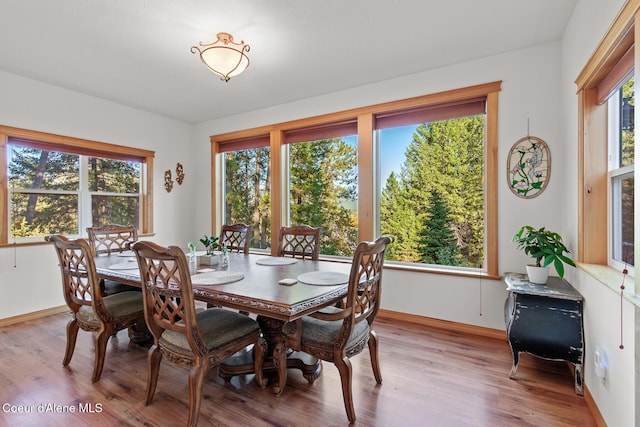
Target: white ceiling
x=137 y=52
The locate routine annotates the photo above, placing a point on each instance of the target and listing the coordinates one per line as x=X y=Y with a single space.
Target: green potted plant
x=545 y=247
x=211 y=245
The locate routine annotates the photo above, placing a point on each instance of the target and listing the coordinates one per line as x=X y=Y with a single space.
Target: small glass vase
x=224 y=258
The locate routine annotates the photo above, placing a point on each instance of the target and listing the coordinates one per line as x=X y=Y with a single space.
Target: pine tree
x=248 y=192
x=399 y=220
x=448 y=157
x=437 y=242
x=323 y=189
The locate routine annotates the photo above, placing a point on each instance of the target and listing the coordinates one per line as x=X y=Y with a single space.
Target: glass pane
x=623 y=246
x=248 y=193
x=31 y=168
x=432 y=196
x=124 y=210
x=114 y=176
x=627 y=109
x=323 y=191
x=42 y=214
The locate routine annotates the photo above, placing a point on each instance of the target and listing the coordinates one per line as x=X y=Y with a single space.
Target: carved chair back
x=112 y=238
x=168 y=293
x=80 y=283
x=235 y=238
x=301 y=241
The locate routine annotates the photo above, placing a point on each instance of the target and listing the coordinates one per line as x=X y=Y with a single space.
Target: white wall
x=530 y=84
x=616 y=397
x=29 y=276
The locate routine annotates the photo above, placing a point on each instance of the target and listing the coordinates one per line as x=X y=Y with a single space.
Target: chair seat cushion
x=323 y=333
x=218 y=327
x=121 y=305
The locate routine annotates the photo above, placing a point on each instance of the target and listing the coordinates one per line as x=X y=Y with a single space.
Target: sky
x=393 y=144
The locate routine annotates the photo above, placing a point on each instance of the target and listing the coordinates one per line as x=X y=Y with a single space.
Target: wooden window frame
x=365 y=119
x=593 y=182
x=77 y=146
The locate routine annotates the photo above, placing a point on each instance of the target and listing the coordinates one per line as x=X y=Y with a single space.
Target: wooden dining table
x=258 y=291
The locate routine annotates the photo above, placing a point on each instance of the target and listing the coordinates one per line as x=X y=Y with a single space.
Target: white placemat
x=124 y=266
x=276 y=260
x=216 y=278
x=127 y=253
x=323 y=278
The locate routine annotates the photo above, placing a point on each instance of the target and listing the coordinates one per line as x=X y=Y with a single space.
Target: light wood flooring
x=431 y=377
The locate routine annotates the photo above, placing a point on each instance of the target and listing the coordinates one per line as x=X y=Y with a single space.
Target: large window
x=432 y=185
x=323 y=185
x=621 y=170
x=247 y=193
x=423 y=170
x=245 y=196
x=60 y=185
x=606 y=144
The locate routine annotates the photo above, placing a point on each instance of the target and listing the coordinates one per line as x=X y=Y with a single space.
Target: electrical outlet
x=600 y=363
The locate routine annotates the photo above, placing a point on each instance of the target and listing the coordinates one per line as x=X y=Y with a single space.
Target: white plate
x=216 y=278
x=276 y=260
x=323 y=278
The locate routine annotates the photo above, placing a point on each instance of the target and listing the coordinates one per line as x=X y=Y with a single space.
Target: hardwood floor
x=431 y=377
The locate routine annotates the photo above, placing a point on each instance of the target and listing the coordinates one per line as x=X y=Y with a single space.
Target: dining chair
x=112 y=239
x=338 y=333
x=235 y=237
x=92 y=312
x=300 y=241
x=199 y=339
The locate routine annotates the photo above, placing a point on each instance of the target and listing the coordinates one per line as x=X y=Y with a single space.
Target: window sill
x=432 y=269
x=475 y=273
x=612 y=279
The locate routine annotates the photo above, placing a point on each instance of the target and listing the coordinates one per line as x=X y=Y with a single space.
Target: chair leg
x=154 y=357
x=373 y=354
x=196 y=378
x=72 y=334
x=344 y=367
x=100 y=342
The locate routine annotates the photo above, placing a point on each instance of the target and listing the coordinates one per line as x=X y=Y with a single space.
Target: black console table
x=545 y=321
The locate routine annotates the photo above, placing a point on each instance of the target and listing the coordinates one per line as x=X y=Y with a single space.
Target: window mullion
x=84 y=197
x=613 y=113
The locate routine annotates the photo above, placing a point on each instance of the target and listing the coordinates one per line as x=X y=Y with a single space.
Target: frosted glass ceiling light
x=224 y=57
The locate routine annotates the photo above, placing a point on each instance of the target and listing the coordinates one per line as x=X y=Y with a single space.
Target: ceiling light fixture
x=224 y=56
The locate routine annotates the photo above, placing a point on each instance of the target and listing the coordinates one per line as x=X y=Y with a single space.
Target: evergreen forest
x=433 y=207
x=46 y=188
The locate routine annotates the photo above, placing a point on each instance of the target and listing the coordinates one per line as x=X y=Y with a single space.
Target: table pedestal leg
x=139 y=333
x=242 y=363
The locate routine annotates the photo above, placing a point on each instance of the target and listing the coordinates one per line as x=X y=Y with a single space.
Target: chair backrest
x=80 y=282
x=300 y=241
x=112 y=238
x=168 y=293
x=365 y=284
x=235 y=237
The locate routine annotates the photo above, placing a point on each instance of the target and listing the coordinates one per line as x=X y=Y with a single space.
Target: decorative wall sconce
x=168 y=182
x=179 y=174
x=224 y=57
